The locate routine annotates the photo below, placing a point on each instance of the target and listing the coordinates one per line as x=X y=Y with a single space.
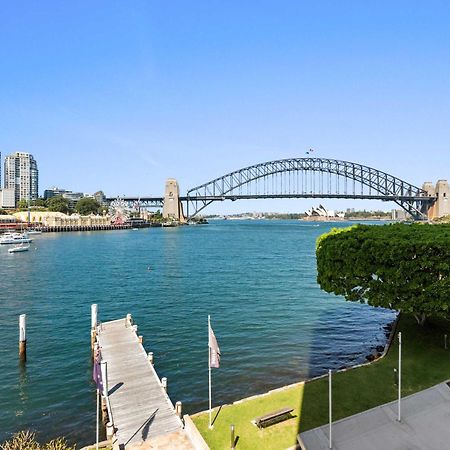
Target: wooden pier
x=139 y=408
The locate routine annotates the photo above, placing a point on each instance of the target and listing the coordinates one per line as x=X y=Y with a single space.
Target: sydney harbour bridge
x=294 y=178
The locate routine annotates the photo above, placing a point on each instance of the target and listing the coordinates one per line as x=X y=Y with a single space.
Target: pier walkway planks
x=140 y=408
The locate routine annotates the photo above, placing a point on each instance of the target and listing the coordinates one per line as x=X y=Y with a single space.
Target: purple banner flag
x=214 y=350
x=97 y=373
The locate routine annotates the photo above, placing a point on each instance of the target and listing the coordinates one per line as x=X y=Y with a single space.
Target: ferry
x=15 y=238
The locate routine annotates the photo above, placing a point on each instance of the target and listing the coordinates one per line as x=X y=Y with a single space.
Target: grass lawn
x=425 y=363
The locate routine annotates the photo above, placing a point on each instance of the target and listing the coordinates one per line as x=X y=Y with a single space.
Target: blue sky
x=121 y=95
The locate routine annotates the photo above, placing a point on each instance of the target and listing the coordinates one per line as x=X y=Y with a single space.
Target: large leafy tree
x=39 y=202
x=59 y=204
x=86 y=206
x=23 y=204
x=405 y=267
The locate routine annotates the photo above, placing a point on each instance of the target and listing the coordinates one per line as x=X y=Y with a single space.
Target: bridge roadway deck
x=140 y=408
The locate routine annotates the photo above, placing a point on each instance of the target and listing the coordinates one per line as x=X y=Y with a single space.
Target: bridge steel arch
x=310 y=178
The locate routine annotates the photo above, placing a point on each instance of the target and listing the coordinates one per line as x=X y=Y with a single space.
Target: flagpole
x=97 y=426
x=209 y=371
x=330 y=408
x=399 y=375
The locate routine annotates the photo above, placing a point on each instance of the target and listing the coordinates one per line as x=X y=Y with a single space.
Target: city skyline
x=194 y=92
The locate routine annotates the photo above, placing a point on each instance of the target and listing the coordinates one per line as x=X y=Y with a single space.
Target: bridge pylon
x=173 y=209
x=441 y=192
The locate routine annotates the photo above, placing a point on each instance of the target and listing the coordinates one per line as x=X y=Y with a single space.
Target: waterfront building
x=321 y=212
x=22 y=175
x=7 y=222
x=7 y=198
x=58 y=219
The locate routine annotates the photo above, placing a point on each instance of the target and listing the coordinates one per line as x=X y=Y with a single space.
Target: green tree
x=23 y=204
x=39 y=202
x=58 y=204
x=405 y=267
x=86 y=206
x=156 y=216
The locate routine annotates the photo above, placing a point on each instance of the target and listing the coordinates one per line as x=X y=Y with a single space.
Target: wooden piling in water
x=23 y=337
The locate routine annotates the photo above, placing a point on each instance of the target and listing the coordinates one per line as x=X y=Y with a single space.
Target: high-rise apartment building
x=21 y=174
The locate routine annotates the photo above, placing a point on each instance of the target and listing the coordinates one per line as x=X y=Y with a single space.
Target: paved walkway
x=425 y=425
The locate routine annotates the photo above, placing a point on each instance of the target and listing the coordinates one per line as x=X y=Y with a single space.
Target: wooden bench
x=273 y=417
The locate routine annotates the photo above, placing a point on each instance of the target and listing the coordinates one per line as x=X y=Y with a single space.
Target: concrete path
x=425 y=425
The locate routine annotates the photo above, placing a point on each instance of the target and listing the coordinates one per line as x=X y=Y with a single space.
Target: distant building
x=53 y=192
x=7 y=198
x=22 y=175
x=73 y=197
x=100 y=197
x=321 y=211
x=400 y=215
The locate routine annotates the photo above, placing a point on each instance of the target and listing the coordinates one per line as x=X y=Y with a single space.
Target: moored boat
x=34 y=232
x=19 y=248
x=15 y=238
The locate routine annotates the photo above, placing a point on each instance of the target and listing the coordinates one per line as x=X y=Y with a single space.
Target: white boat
x=15 y=238
x=34 y=232
x=19 y=248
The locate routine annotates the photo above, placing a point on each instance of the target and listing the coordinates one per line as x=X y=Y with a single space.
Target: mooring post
x=23 y=337
x=105 y=417
x=141 y=340
x=178 y=409
x=104 y=372
x=150 y=358
x=93 y=325
x=128 y=321
x=164 y=383
x=109 y=430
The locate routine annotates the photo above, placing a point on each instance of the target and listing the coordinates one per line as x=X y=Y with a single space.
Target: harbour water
x=257 y=279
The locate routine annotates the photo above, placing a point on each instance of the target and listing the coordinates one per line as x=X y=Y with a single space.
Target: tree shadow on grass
x=351 y=390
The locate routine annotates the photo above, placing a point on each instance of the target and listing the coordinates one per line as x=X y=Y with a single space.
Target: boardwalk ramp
x=138 y=404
